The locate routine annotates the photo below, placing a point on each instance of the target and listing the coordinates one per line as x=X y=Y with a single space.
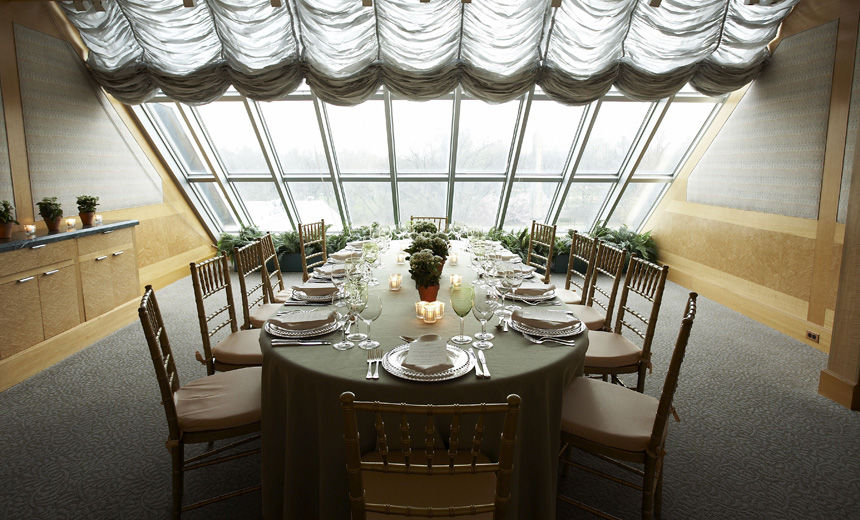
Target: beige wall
x=779 y=270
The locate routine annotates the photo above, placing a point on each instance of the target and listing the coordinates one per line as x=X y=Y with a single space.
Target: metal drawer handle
x=22 y=280
x=100 y=258
x=108 y=231
x=49 y=273
x=38 y=246
x=117 y=253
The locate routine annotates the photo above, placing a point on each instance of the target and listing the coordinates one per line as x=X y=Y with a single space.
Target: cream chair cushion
x=608 y=414
x=220 y=401
x=423 y=490
x=239 y=348
x=261 y=313
x=568 y=296
x=593 y=318
x=610 y=350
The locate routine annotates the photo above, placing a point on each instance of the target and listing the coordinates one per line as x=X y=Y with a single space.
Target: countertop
x=20 y=240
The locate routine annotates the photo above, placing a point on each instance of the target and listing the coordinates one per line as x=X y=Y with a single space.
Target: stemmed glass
x=483 y=309
x=371 y=255
x=512 y=280
x=338 y=278
x=356 y=300
x=341 y=309
x=371 y=311
x=461 y=301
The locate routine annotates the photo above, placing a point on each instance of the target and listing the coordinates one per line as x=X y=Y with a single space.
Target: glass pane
x=316 y=201
x=476 y=204
x=369 y=202
x=264 y=205
x=529 y=201
x=610 y=139
x=422 y=199
x=233 y=137
x=549 y=133
x=173 y=128
x=636 y=203
x=676 y=133
x=210 y=192
x=582 y=204
x=296 y=134
x=485 y=136
x=422 y=135
x=360 y=139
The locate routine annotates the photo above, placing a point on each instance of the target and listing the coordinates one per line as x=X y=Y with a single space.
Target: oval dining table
x=303 y=458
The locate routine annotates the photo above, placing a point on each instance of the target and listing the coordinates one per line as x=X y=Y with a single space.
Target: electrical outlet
x=812 y=336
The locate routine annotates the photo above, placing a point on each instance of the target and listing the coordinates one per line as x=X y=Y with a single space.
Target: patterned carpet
x=85 y=438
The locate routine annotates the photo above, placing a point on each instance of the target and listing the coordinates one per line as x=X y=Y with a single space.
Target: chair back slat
x=274 y=280
x=211 y=278
x=582 y=248
x=441 y=223
x=162 y=357
x=648 y=281
x=609 y=261
x=355 y=464
x=312 y=234
x=544 y=236
x=249 y=262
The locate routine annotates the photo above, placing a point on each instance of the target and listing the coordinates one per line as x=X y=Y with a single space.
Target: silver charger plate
x=303 y=296
x=573 y=330
x=274 y=330
x=392 y=362
x=528 y=298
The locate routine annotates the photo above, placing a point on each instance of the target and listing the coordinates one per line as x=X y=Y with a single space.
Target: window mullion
x=586 y=123
x=514 y=157
x=331 y=160
x=452 y=156
x=392 y=160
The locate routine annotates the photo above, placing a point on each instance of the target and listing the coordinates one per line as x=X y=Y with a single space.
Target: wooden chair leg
x=658 y=496
x=648 y=490
x=640 y=381
x=565 y=455
x=177 y=454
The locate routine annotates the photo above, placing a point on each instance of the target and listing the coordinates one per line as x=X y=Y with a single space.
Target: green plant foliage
x=228 y=242
x=287 y=242
x=435 y=243
x=87 y=203
x=49 y=208
x=425 y=268
x=424 y=227
x=6 y=209
x=636 y=244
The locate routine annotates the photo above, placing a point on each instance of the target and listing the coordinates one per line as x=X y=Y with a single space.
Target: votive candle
x=419 y=309
x=70 y=224
x=97 y=219
x=394 y=281
x=30 y=229
x=456 y=280
x=401 y=258
x=429 y=314
x=438 y=309
x=453 y=258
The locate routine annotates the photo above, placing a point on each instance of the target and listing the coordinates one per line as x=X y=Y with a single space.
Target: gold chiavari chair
x=256 y=308
x=608 y=261
x=441 y=223
x=216 y=407
x=617 y=424
x=274 y=280
x=542 y=235
x=428 y=483
x=582 y=248
x=610 y=353
x=238 y=348
x=312 y=236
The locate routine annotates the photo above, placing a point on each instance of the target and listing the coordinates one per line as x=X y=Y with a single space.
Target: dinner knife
x=292 y=343
x=478 y=372
x=484 y=363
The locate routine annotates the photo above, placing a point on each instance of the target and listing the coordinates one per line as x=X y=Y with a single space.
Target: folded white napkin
x=357 y=244
x=509 y=267
x=544 y=318
x=345 y=254
x=316 y=289
x=506 y=255
x=428 y=355
x=328 y=269
x=303 y=319
x=533 y=289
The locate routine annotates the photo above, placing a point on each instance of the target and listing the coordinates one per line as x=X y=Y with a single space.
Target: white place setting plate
x=393 y=360
x=274 y=330
x=303 y=296
x=573 y=330
x=549 y=295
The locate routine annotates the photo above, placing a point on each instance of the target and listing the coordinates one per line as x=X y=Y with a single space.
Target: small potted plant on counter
x=6 y=219
x=52 y=212
x=87 y=209
x=426 y=269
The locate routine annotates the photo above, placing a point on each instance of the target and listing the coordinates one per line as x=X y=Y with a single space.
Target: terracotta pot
x=87 y=218
x=6 y=229
x=428 y=294
x=54 y=224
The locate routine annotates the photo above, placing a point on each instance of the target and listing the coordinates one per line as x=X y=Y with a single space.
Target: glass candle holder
x=401 y=258
x=429 y=314
x=419 y=309
x=97 y=219
x=453 y=258
x=70 y=224
x=456 y=280
x=394 y=281
x=30 y=230
x=438 y=309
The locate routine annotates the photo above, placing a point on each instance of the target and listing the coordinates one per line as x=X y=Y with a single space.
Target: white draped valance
x=495 y=49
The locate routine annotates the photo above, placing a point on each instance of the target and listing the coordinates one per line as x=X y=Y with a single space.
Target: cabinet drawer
x=125 y=280
x=36 y=256
x=58 y=289
x=110 y=239
x=97 y=284
x=21 y=321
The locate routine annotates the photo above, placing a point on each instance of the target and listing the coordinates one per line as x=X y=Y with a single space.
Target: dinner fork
x=377 y=358
x=535 y=339
x=540 y=302
x=370 y=361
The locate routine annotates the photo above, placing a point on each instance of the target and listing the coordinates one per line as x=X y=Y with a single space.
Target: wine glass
x=483 y=310
x=338 y=278
x=371 y=255
x=371 y=311
x=511 y=282
x=461 y=301
x=341 y=310
x=356 y=300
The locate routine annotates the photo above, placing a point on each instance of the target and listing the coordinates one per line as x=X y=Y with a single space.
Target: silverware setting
x=374 y=358
x=540 y=303
x=297 y=343
x=479 y=372
x=484 y=366
x=544 y=339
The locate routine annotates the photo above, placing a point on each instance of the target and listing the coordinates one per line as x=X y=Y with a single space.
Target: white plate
x=392 y=362
x=573 y=330
x=274 y=330
x=303 y=296
x=528 y=298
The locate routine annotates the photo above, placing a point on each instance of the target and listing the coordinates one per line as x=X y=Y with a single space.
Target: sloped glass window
x=636 y=203
x=422 y=135
x=217 y=207
x=582 y=205
x=315 y=201
x=264 y=205
x=360 y=138
x=529 y=201
x=233 y=137
x=549 y=134
x=369 y=202
x=673 y=138
x=476 y=203
x=296 y=136
x=172 y=127
x=611 y=137
x=422 y=199
x=485 y=136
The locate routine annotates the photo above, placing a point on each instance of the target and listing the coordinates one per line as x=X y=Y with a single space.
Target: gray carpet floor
x=85 y=438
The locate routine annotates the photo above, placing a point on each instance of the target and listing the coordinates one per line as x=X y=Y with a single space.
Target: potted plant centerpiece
x=435 y=243
x=6 y=219
x=426 y=269
x=423 y=227
x=51 y=211
x=87 y=209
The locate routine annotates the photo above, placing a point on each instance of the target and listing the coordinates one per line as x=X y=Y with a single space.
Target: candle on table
x=429 y=314
x=70 y=224
x=453 y=258
x=456 y=280
x=419 y=309
x=438 y=309
x=401 y=258
x=30 y=229
x=97 y=219
x=394 y=281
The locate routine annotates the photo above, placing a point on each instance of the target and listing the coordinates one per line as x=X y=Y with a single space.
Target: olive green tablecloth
x=303 y=462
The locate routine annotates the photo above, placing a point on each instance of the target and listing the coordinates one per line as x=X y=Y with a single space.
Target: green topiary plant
x=6 y=209
x=424 y=227
x=50 y=209
x=425 y=268
x=436 y=244
x=87 y=203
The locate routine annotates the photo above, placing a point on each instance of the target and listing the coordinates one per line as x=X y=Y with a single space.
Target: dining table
x=303 y=457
